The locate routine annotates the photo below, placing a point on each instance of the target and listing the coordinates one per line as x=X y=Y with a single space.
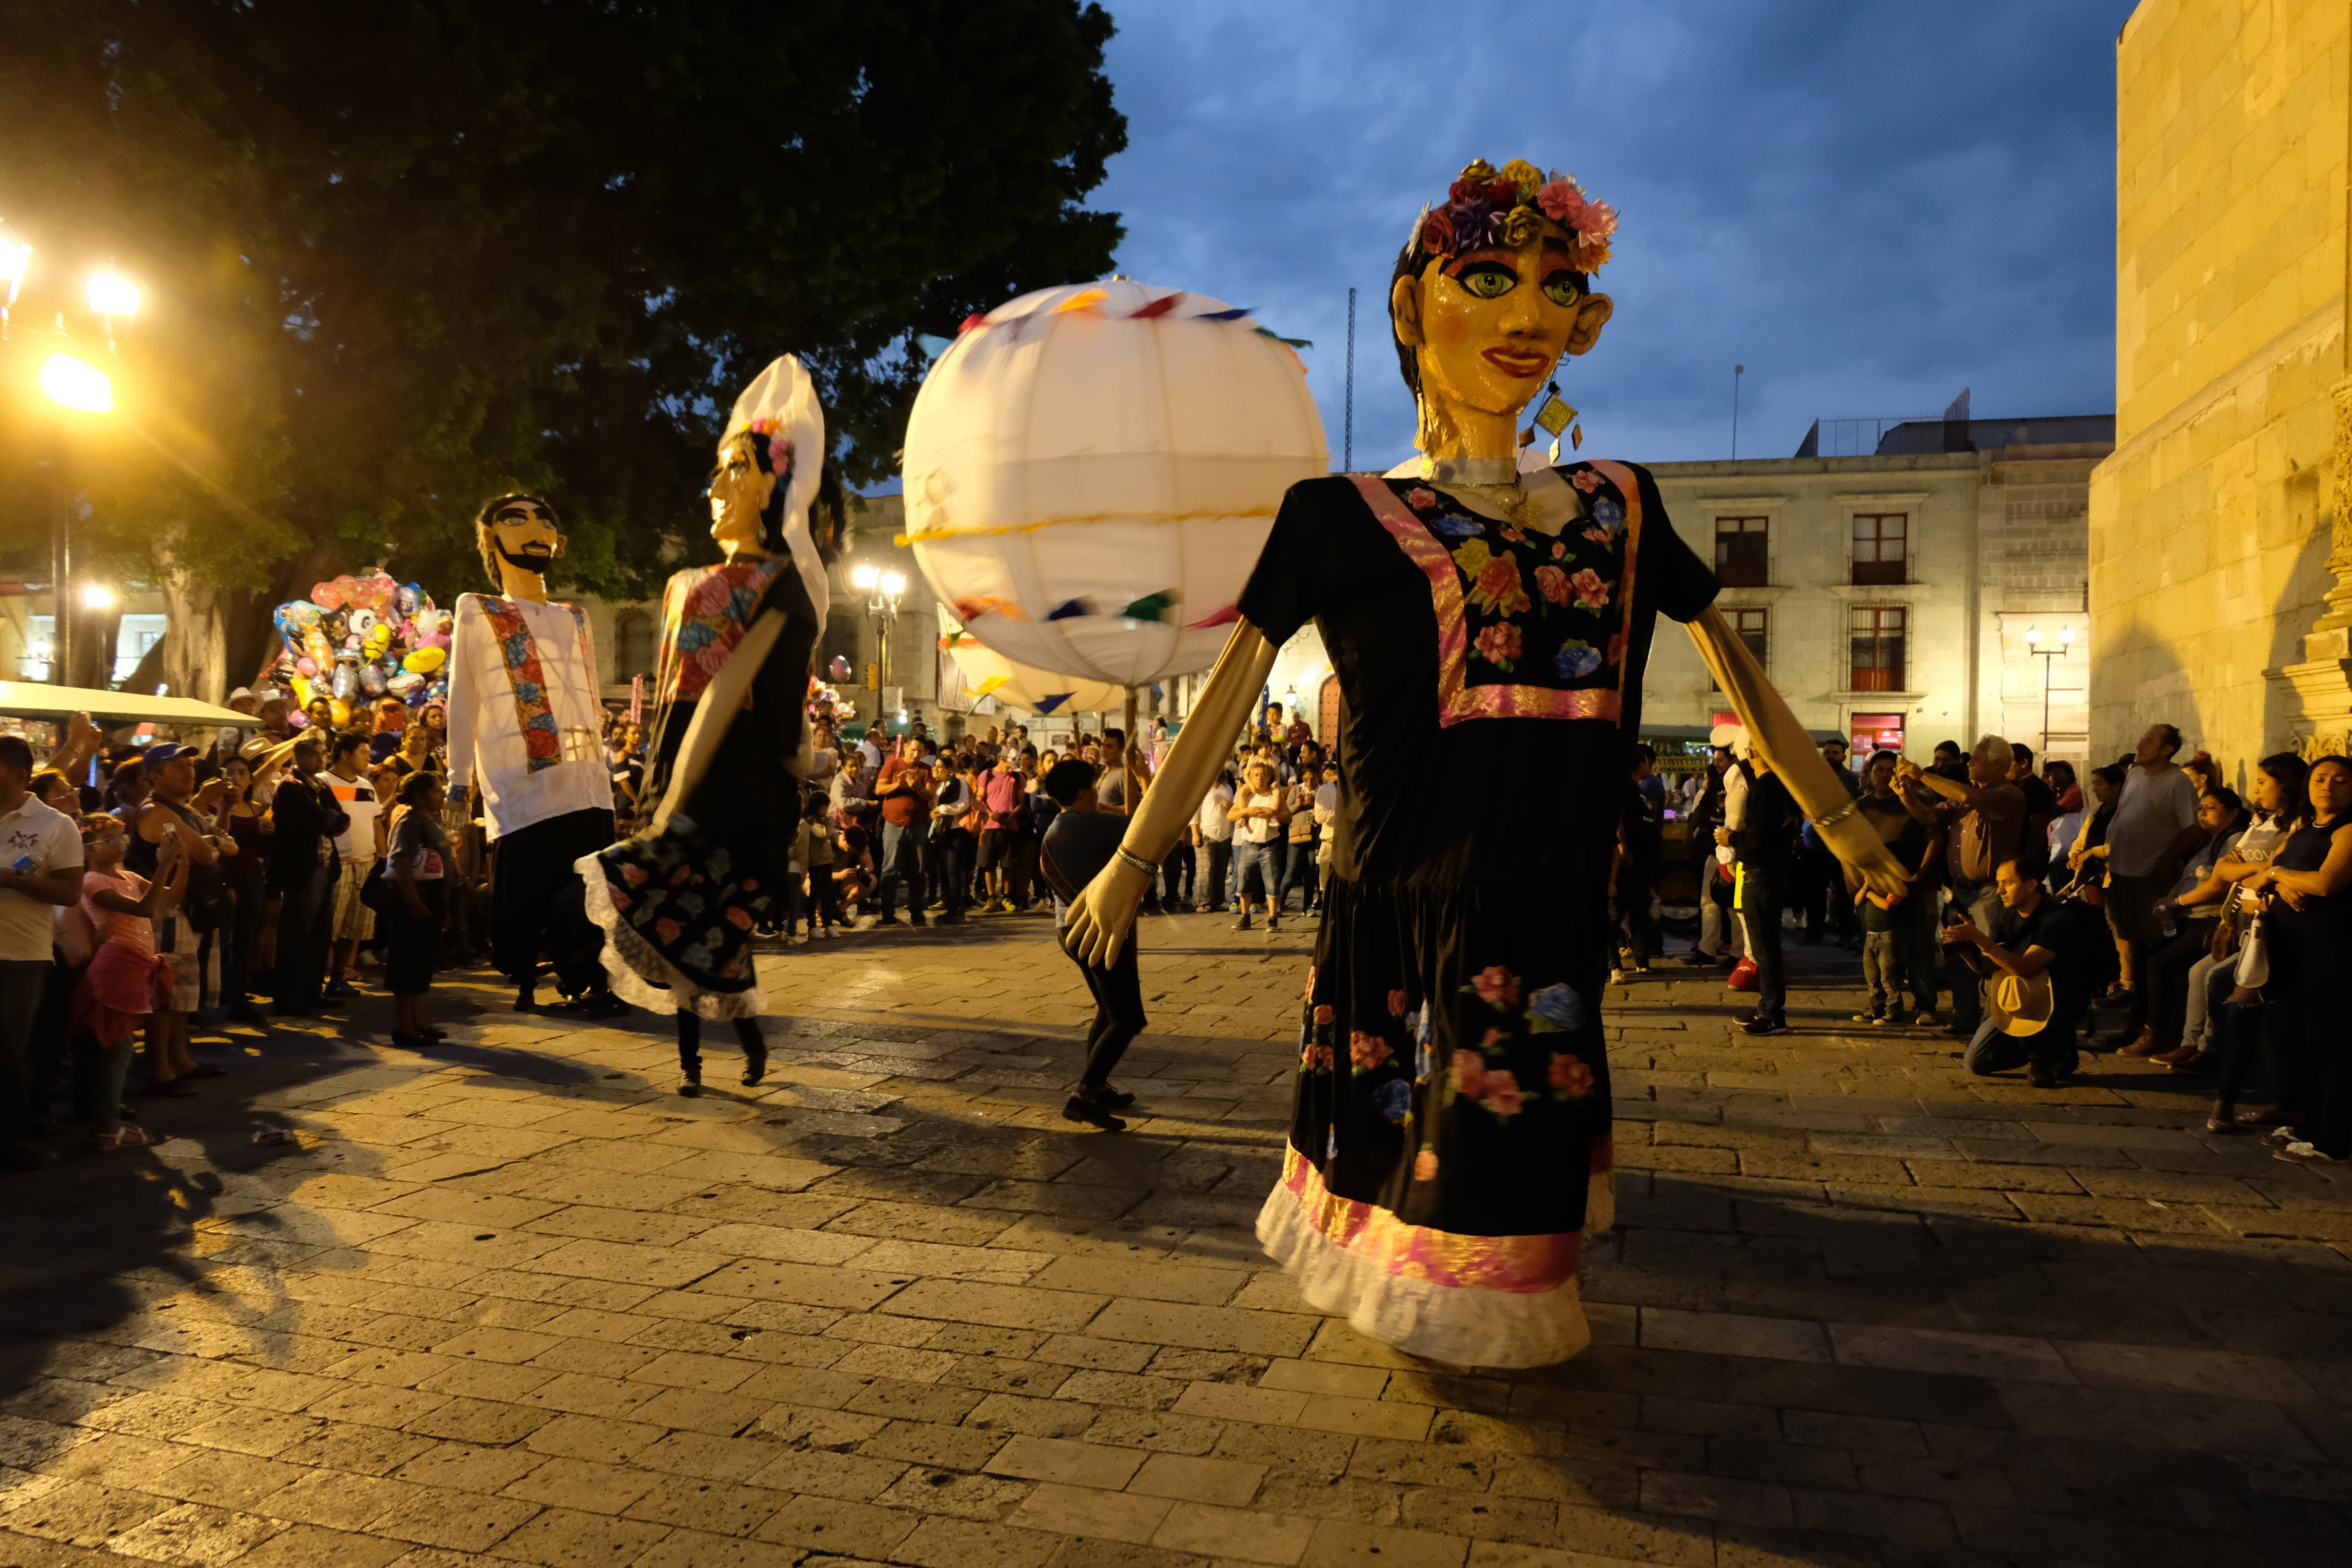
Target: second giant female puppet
x=1450 y=1128
x=525 y=728
x=678 y=901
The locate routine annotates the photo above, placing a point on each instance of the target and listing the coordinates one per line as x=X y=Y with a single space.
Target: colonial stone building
x=2221 y=527
x=1901 y=598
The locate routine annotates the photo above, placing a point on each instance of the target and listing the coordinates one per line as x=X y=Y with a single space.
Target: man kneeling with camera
x=2036 y=990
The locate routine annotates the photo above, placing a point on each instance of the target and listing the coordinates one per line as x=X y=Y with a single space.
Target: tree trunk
x=215 y=638
x=195 y=644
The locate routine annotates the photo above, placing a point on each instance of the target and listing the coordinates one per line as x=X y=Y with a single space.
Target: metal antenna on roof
x=1737 y=372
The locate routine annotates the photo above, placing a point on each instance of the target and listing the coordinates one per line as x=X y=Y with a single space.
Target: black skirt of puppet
x=1450 y=1144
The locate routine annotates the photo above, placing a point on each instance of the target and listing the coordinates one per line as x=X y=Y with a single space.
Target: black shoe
x=1081 y=1109
x=430 y=1033
x=917 y=922
x=1761 y=1024
x=339 y=990
x=1113 y=1098
x=893 y=919
x=691 y=1086
x=410 y=1042
x=755 y=1068
x=602 y=1005
x=1243 y=923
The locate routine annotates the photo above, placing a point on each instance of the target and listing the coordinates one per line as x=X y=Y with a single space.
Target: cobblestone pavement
x=514 y=1300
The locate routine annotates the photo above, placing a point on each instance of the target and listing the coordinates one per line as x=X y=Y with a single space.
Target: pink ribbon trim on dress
x=1522 y=1265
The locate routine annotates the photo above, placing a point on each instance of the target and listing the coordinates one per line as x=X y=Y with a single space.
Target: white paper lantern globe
x=984 y=672
x=1091 y=470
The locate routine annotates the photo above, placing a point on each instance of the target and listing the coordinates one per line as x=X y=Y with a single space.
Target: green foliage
x=404 y=255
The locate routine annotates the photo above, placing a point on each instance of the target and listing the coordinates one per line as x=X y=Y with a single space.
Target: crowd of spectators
x=146 y=891
x=2213 y=932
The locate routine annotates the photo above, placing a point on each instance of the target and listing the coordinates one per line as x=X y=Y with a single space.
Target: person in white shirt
x=1260 y=818
x=2153 y=831
x=1212 y=828
x=40 y=870
x=524 y=726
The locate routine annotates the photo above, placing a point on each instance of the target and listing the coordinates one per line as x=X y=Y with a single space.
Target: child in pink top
x=125 y=982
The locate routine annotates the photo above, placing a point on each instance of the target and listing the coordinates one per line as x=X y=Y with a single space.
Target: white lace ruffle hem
x=1454 y=1324
x=629 y=959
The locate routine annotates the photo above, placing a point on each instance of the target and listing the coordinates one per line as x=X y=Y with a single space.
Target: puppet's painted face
x=1494 y=323
x=739 y=491
x=524 y=534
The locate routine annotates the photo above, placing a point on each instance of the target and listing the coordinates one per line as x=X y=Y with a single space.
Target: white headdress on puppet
x=780 y=403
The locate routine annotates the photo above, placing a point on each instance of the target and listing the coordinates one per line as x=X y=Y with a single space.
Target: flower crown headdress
x=780 y=444
x=1502 y=206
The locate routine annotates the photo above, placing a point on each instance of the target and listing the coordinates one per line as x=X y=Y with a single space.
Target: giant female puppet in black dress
x=1449 y=1145
x=678 y=901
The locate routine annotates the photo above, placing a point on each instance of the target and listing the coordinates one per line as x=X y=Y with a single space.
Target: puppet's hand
x=1105 y=909
x=1857 y=842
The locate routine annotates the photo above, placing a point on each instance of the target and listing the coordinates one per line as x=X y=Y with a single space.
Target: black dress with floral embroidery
x=1451 y=1105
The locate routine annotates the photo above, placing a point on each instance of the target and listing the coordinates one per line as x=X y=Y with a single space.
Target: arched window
x=633 y=644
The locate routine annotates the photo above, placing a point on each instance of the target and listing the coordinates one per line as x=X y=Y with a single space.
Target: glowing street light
x=111 y=294
x=96 y=597
x=882 y=592
x=71 y=382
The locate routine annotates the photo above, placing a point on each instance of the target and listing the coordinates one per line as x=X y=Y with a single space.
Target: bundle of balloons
x=359 y=638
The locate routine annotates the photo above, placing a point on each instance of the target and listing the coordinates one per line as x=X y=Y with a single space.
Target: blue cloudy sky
x=1870 y=206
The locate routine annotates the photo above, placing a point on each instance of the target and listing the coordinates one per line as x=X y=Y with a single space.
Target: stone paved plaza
x=516 y=1302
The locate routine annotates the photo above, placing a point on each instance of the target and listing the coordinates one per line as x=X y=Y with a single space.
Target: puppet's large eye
x=1488 y=280
x=1560 y=288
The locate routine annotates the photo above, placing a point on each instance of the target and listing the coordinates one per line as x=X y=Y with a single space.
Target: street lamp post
x=2034 y=645
x=74 y=384
x=883 y=589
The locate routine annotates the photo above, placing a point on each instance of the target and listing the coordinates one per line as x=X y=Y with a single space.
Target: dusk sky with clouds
x=1870 y=206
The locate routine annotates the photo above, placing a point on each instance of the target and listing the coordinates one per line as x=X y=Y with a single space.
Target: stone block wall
x=2208 y=525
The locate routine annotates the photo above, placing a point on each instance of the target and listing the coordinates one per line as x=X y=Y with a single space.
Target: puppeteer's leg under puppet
x=679 y=902
x=1450 y=1138
x=525 y=728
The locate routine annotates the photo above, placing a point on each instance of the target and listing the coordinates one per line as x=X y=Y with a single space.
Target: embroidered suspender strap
x=519 y=651
x=1629 y=488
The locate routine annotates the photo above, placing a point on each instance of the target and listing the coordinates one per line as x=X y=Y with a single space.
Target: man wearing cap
x=2033 y=959
x=526 y=729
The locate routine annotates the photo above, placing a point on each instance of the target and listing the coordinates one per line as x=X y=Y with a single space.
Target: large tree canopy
x=401 y=255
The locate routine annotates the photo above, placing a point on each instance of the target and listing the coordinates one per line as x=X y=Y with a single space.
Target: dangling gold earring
x=1555 y=415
